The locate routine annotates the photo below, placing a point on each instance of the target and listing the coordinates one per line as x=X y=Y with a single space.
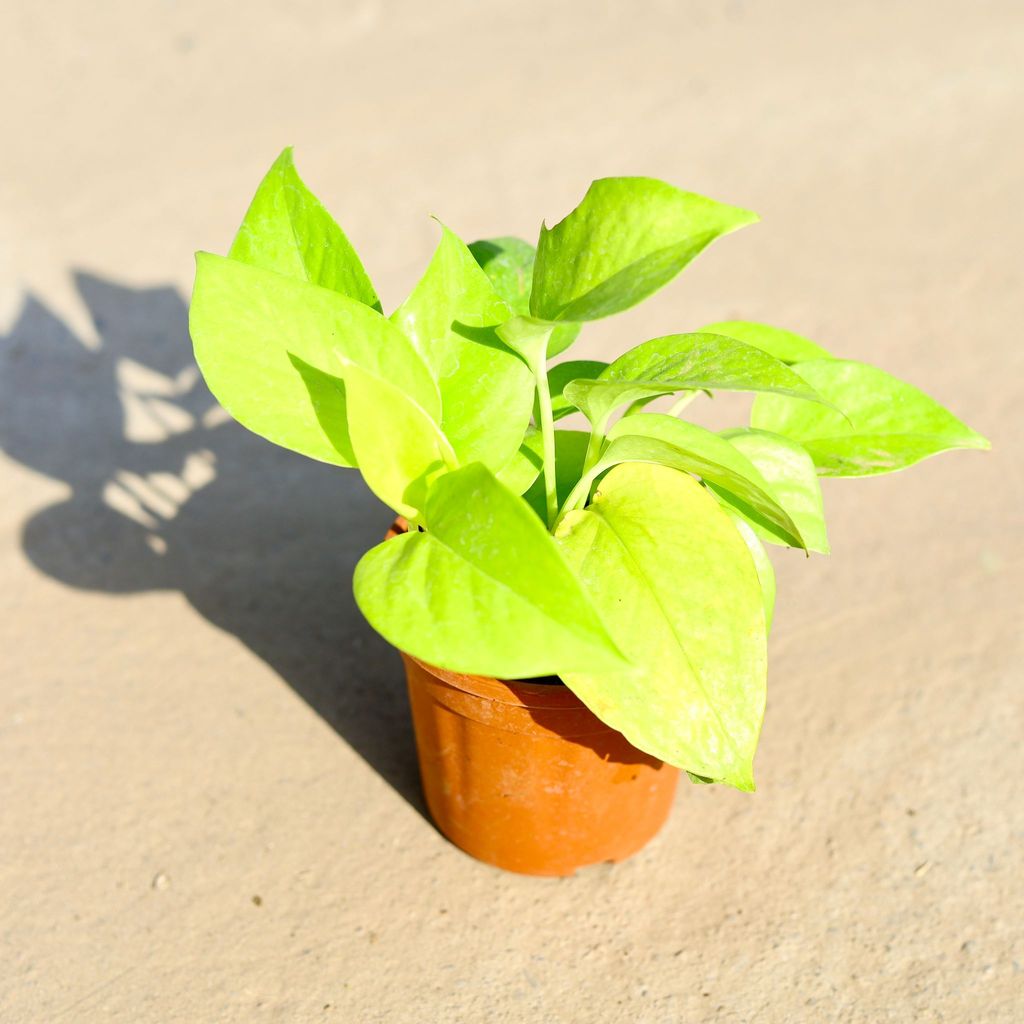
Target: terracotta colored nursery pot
x=523 y=776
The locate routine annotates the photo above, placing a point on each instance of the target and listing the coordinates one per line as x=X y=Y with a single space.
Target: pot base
x=525 y=777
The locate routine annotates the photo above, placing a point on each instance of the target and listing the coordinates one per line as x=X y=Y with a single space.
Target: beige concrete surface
x=208 y=803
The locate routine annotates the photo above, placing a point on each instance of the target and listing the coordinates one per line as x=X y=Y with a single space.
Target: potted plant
x=581 y=613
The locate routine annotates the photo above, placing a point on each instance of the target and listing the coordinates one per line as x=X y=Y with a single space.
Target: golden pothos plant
x=627 y=560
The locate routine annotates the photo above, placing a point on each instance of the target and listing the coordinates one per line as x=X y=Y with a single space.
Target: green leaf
x=484 y=591
x=287 y=230
x=524 y=467
x=398 y=445
x=627 y=238
x=508 y=262
x=561 y=374
x=676 y=586
x=762 y=563
x=890 y=424
x=789 y=472
x=570 y=453
x=265 y=344
x=717 y=462
x=486 y=391
x=683 y=362
x=784 y=345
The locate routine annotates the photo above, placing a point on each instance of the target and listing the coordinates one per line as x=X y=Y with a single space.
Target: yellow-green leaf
x=287 y=230
x=485 y=590
x=888 y=425
x=676 y=586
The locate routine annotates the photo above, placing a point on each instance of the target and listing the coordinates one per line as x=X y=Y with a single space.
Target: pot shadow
x=166 y=493
x=609 y=745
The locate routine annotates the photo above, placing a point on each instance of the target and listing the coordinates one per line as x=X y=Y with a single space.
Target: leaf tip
x=744 y=217
x=286 y=158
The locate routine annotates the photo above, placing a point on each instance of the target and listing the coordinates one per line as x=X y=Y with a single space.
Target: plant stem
x=681 y=403
x=598 y=430
x=547 y=430
x=577 y=497
x=582 y=488
x=594 y=446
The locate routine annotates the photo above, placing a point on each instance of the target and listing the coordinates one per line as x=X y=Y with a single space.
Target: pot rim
x=517 y=692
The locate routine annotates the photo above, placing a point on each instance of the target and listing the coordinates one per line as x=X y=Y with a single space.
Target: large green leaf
x=677 y=588
x=484 y=590
x=683 y=362
x=627 y=238
x=784 y=345
x=888 y=425
x=486 y=390
x=717 y=461
x=508 y=262
x=790 y=474
x=265 y=344
x=561 y=374
x=398 y=445
x=287 y=230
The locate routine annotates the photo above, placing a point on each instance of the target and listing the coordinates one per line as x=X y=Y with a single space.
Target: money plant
x=628 y=559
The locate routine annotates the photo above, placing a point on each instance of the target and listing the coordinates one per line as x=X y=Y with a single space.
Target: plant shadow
x=167 y=494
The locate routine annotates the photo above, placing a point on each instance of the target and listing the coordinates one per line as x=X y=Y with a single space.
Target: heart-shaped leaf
x=784 y=345
x=450 y=318
x=717 y=462
x=508 y=262
x=399 y=447
x=683 y=362
x=686 y=607
x=485 y=590
x=287 y=230
x=888 y=425
x=789 y=472
x=265 y=344
x=627 y=238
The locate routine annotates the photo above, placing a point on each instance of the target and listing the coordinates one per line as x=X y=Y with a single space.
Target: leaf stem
x=598 y=429
x=681 y=403
x=594 y=446
x=547 y=430
x=578 y=496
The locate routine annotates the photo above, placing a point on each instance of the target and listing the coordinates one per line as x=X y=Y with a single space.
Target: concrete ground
x=208 y=799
